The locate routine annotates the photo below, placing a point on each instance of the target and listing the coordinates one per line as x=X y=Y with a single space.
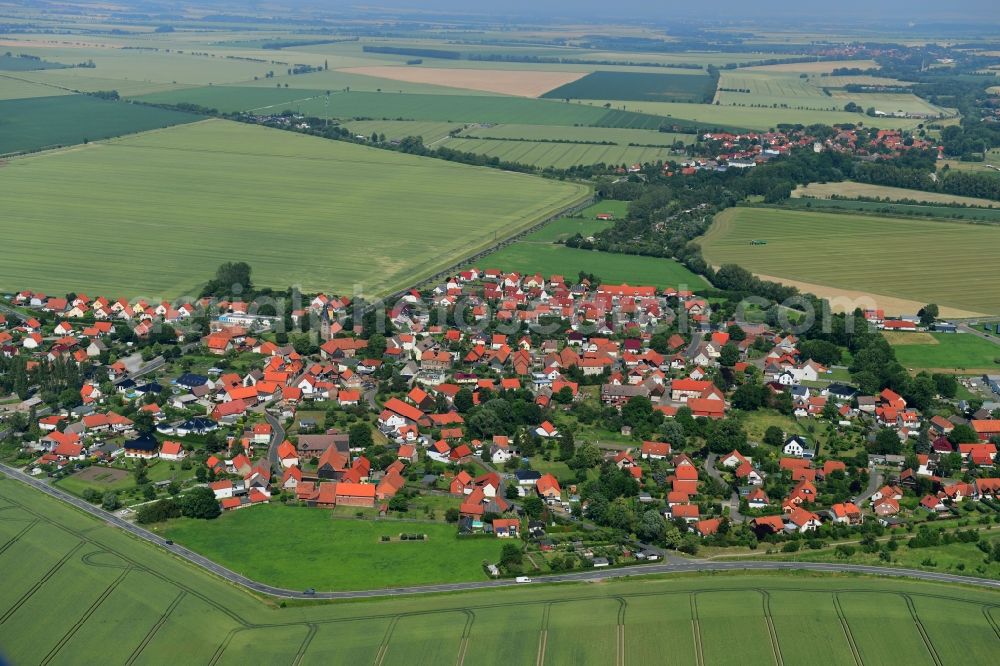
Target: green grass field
x=711 y=116
x=289 y=546
x=637 y=86
x=63 y=120
x=133 y=603
x=323 y=214
x=847 y=189
x=884 y=256
x=946 y=351
x=622 y=137
x=16 y=87
x=430 y=132
x=585 y=223
x=548 y=259
x=896 y=209
x=404 y=106
x=558 y=155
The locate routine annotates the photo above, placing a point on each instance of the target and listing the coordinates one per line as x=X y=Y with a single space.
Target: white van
x=522 y=579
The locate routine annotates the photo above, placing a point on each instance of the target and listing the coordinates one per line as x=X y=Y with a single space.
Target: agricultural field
x=134 y=603
x=637 y=86
x=547 y=258
x=946 y=352
x=262 y=545
x=12 y=87
x=622 y=137
x=557 y=154
x=404 y=106
x=251 y=193
x=100 y=479
x=584 y=223
x=721 y=116
x=940 y=211
x=850 y=254
x=36 y=123
x=848 y=189
x=813 y=68
x=503 y=82
x=15 y=63
x=431 y=132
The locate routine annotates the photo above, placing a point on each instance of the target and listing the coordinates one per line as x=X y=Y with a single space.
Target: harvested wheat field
x=523 y=83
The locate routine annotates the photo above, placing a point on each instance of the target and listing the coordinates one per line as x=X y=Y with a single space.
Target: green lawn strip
x=265 y=645
x=658 y=631
x=431 y=638
x=334 y=553
x=346 y=643
x=722 y=615
x=883 y=628
x=953 y=350
x=808 y=629
x=583 y=632
x=506 y=634
x=533 y=258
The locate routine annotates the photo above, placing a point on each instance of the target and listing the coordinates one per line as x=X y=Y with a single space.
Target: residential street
x=673 y=566
x=734 y=499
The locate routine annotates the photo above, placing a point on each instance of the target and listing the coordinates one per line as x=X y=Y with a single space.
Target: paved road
x=874 y=483
x=734 y=500
x=979 y=332
x=277 y=437
x=588 y=575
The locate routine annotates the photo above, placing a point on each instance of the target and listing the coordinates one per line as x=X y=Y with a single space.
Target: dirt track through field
x=523 y=83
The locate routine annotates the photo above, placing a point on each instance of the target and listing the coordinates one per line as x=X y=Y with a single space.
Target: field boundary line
x=988 y=612
x=847 y=630
x=380 y=655
x=301 y=654
x=920 y=627
x=696 y=629
x=41 y=581
x=86 y=616
x=14 y=539
x=219 y=651
x=463 y=645
x=155 y=628
x=620 y=648
x=543 y=634
x=775 y=647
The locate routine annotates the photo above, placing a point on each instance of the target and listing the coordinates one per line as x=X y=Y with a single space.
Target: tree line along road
x=691 y=566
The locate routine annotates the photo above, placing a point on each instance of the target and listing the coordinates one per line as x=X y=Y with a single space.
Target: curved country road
x=588 y=575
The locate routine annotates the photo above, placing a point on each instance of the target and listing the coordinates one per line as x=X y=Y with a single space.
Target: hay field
x=947 y=263
x=154 y=214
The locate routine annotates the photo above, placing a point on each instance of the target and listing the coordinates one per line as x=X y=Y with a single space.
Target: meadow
x=637 y=86
x=556 y=154
x=758 y=118
x=290 y=546
x=946 y=351
x=532 y=257
x=365 y=105
x=134 y=603
x=322 y=214
x=15 y=87
x=875 y=255
x=619 y=136
x=63 y=120
x=584 y=223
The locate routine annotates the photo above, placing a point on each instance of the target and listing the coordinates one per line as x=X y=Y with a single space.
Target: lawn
x=131 y=601
x=548 y=259
x=298 y=548
x=325 y=215
x=101 y=479
x=879 y=256
x=35 y=123
x=947 y=351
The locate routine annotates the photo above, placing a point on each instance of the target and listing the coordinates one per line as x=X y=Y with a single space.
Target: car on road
x=310 y=591
x=169 y=542
x=522 y=579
